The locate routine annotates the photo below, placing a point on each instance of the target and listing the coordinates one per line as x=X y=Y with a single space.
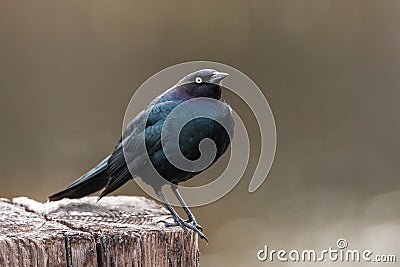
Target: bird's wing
x=141 y=139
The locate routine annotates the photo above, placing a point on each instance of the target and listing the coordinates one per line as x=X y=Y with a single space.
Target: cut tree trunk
x=116 y=231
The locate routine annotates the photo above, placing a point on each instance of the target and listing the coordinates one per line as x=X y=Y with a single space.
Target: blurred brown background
x=329 y=69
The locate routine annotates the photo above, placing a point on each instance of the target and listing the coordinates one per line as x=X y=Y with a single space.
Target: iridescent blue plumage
x=146 y=129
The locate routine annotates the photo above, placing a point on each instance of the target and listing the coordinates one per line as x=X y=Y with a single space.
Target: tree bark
x=116 y=231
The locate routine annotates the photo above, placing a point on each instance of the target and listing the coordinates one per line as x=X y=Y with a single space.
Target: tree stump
x=116 y=231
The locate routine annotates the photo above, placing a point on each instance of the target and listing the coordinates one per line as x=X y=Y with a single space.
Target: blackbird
x=199 y=91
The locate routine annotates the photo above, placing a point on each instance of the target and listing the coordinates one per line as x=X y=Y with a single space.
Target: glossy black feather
x=113 y=171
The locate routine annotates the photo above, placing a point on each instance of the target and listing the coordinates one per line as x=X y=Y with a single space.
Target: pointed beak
x=217 y=77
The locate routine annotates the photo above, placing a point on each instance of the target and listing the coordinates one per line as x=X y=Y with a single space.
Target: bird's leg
x=191 y=218
x=178 y=221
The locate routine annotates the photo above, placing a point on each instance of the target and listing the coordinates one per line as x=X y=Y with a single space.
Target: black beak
x=217 y=77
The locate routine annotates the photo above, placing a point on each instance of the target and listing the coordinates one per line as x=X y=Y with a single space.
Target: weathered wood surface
x=117 y=231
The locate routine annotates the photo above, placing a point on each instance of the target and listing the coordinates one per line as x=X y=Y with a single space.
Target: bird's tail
x=89 y=183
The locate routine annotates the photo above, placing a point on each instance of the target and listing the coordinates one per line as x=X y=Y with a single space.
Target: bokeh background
x=329 y=69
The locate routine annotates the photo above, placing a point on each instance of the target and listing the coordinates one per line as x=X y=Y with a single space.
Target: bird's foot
x=194 y=223
x=185 y=225
x=191 y=221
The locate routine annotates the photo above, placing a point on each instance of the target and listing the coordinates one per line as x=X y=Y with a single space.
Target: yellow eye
x=199 y=80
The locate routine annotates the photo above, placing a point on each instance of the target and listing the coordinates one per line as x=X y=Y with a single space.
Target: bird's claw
x=185 y=225
x=180 y=223
x=194 y=223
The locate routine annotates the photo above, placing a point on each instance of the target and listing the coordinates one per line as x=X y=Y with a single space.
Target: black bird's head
x=203 y=83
